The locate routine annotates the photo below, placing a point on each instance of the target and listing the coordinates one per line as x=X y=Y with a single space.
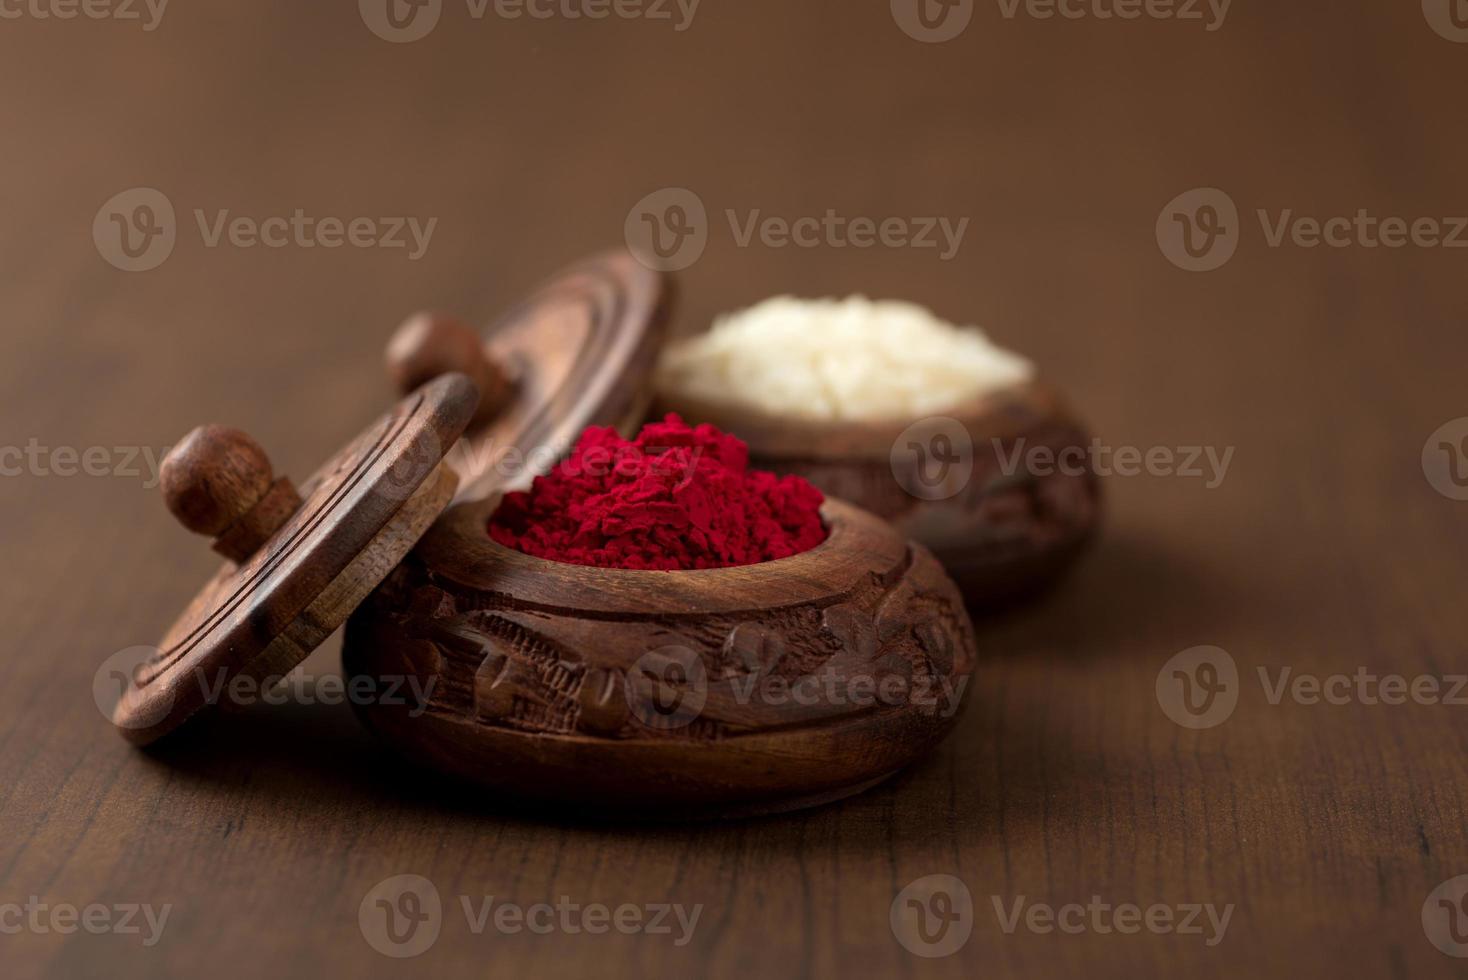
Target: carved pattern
x=565 y=671
x=524 y=681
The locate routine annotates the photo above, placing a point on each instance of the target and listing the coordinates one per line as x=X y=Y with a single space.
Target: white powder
x=838 y=359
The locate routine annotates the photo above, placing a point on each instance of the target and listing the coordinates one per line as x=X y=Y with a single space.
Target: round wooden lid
x=579 y=352
x=299 y=562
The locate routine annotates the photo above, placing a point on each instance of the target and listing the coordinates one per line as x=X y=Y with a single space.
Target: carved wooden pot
x=1000 y=488
x=670 y=694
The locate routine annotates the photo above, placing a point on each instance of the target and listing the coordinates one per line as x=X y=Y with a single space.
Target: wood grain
x=578 y=351
x=666 y=695
x=429 y=344
x=1323 y=549
x=308 y=567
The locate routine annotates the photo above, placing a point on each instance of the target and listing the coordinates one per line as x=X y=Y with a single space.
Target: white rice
x=833 y=359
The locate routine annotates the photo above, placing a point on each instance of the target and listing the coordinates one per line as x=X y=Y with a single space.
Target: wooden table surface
x=1325 y=549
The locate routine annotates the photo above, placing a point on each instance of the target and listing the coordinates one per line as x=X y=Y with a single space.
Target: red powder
x=672 y=498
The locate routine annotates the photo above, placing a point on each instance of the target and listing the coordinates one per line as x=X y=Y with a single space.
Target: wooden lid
x=579 y=352
x=299 y=563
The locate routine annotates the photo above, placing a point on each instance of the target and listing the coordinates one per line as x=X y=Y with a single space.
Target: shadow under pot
x=707 y=693
x=1000 y=488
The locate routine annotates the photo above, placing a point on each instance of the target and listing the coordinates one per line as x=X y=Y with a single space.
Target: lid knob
x=427 y=345
x=218 y=481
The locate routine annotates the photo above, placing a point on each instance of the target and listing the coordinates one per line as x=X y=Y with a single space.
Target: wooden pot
x=715 y=692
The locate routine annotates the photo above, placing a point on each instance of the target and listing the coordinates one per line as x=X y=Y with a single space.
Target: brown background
x=1325 y=549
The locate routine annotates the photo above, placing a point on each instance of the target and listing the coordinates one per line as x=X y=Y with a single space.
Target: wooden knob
x=218 y=482
x=427 y=345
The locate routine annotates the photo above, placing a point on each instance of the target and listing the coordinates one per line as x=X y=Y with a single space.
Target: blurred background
x=1060 y=136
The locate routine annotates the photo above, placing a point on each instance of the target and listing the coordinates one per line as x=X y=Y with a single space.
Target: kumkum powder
x=673 y=498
